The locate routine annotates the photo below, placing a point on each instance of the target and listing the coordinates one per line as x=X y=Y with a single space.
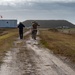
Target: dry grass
x=7 y=36
x=59 y=43
x=6 y=40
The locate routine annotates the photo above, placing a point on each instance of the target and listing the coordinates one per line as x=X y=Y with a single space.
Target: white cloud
x=11 y=2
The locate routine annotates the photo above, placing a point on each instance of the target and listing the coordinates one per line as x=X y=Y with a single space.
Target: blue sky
x=38 y=9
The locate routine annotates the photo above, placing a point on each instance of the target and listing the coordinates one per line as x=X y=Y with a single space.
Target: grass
x=6 y=40
x=69 y=31
x=7 y=36
x=59 y=43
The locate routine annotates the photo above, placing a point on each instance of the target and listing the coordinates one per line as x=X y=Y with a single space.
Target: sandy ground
x=29 y=58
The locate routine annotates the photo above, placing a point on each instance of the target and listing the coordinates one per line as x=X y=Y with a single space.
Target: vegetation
x=59 y=43
x=6 y=40
x=7 y=36
x=53 y=29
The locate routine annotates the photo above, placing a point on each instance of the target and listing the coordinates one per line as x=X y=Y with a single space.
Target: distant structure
x=8 y=23
x=51 y=23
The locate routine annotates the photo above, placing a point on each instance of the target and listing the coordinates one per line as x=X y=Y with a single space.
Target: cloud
x=30 y=4
x=38 y=9
x=15 y=2
x=37 y=4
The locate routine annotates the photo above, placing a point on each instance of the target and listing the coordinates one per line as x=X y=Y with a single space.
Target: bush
x=53 y=29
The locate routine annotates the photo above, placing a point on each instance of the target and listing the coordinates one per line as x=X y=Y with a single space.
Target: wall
x=8 y=23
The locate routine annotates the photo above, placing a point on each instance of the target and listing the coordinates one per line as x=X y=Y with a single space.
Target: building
x=8 y=23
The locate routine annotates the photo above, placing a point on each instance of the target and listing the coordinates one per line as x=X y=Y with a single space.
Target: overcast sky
x=38 y=9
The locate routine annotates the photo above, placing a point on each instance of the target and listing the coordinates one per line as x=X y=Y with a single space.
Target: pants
x=21 y=34
x=34 y=32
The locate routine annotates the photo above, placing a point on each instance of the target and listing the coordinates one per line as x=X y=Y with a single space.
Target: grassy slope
x=59 y=43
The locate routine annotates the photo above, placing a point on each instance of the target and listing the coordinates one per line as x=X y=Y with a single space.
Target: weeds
x=59 y=43
x=6 y=41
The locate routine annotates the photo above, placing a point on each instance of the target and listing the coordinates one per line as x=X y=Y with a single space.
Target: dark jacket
x=20 y=26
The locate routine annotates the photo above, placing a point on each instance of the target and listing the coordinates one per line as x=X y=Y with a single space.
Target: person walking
x=21 y=26
x=34 y=29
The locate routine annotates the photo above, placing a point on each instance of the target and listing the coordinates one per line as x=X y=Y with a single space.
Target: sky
x=38 y=10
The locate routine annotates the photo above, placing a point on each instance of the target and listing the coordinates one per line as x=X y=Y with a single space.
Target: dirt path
x=29 y=58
